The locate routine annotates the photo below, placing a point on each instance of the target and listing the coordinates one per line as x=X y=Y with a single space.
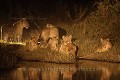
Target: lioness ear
x=63 y=37
x=70 y=36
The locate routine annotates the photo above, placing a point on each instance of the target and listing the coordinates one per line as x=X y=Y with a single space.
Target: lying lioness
x=105 y=45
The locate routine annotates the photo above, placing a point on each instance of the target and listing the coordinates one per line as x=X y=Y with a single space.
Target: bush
x=102 y=23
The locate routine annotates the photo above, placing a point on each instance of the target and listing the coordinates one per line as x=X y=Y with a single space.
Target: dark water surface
x=81 y=70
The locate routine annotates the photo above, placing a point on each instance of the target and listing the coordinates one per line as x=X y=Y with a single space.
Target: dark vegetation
x=8 y=56
x=87 y=21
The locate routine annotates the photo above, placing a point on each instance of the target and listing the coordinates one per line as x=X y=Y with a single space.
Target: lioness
x=14 y=32
x=105 y=45
x=49 y=32
x=67 y=46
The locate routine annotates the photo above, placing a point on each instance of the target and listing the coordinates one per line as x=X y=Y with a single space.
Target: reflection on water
x=106 y=74
x=35 y=74
x=81 y=72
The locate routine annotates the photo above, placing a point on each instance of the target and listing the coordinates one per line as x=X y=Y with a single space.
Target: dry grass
x=46 y=55
x=10 y=54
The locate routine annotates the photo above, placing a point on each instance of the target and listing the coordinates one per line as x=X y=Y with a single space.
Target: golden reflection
x=106 y=74
x=18 y=43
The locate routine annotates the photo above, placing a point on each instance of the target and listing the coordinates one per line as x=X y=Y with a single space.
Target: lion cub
x=33 y=43
x=67 y=46
x=105 y=45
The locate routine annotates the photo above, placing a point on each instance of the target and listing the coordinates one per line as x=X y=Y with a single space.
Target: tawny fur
x=14 y=32
x=33 y=43
x=49 y=32
x=67 y=46
x=105 y=45
x=53 y=44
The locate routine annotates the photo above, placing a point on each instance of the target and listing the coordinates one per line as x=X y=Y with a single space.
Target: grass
x=45 y=55
x=11 y=53
x=8 y=57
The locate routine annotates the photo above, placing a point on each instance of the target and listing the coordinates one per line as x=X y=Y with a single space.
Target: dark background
x=41 y=8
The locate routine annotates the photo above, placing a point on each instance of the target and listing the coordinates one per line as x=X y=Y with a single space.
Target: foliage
x=100 y=23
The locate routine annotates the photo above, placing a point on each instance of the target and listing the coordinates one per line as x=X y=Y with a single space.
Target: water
x=82 y=70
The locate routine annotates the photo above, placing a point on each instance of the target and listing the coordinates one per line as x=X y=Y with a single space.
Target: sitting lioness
x=105 y=45
x=67 y=46
x=49 y=32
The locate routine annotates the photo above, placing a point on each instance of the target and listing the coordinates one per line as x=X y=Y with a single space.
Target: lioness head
x=67 y=39
x=105 y=45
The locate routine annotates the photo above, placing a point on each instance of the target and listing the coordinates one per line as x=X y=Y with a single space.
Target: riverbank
x=11 y=54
